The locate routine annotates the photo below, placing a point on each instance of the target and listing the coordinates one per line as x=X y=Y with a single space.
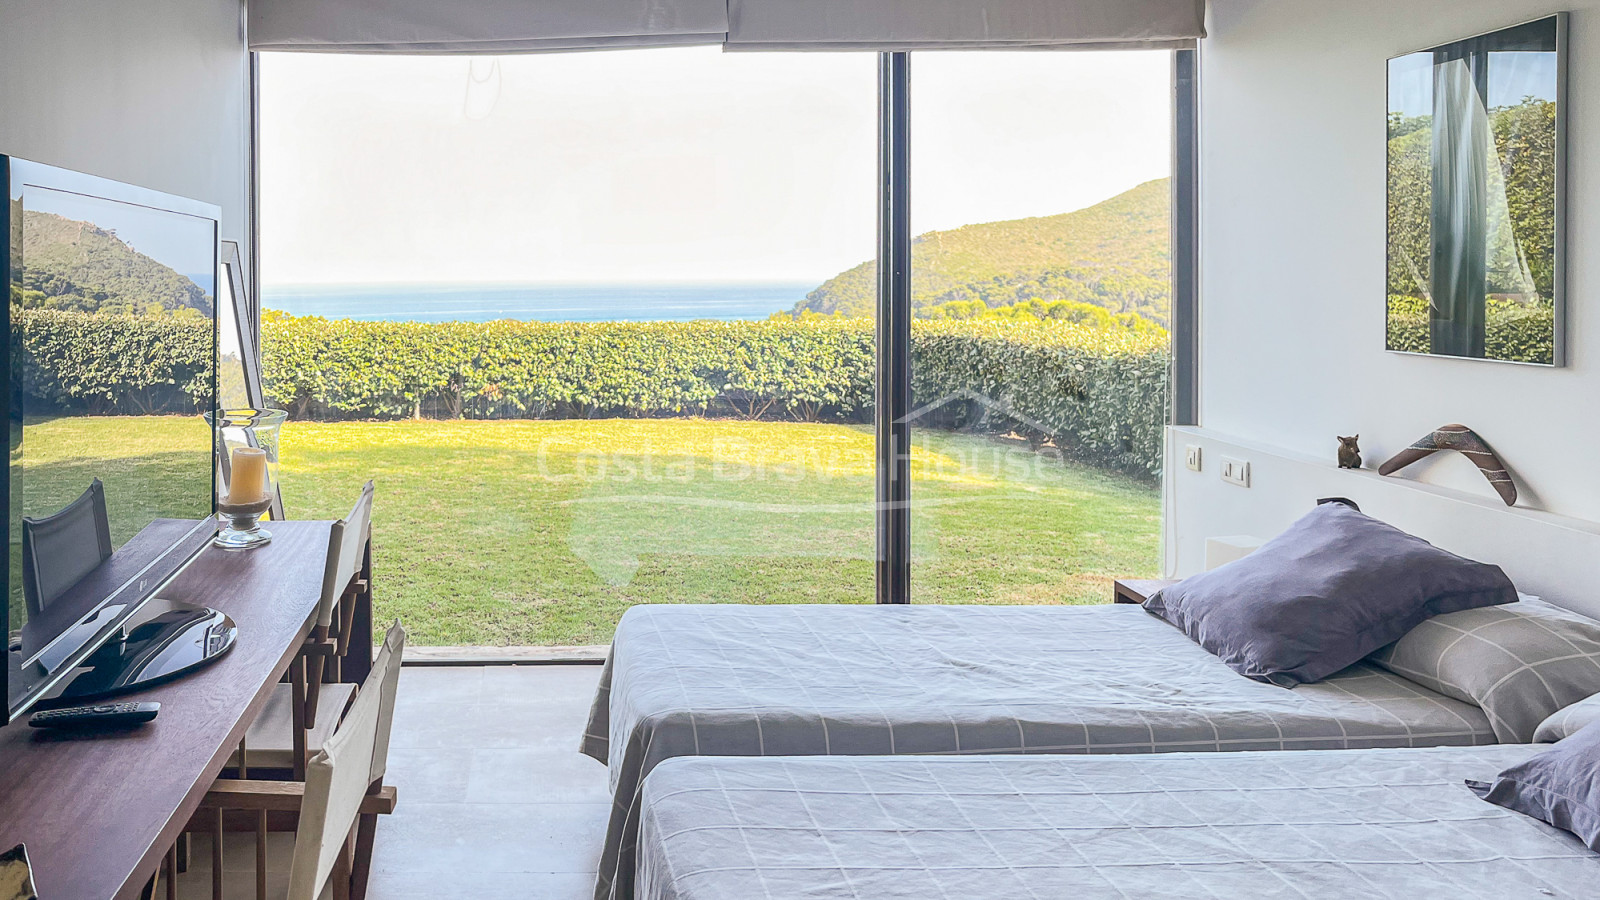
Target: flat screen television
x=111 y=364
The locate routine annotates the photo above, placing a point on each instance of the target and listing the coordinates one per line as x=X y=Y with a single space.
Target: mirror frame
x=1559 y=272
x=245 y=317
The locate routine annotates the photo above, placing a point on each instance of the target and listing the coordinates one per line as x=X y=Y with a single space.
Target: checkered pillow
x=1568 y=720
x=1520 y=662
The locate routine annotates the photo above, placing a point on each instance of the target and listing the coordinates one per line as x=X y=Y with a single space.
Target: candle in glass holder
x=248 y=483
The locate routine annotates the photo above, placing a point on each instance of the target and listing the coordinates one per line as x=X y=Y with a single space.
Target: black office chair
x=59 y=549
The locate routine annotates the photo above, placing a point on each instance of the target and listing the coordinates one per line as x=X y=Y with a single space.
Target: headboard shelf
x=1545 y=553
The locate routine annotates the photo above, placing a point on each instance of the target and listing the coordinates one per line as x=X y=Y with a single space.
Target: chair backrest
x=394 y=643
x=61 y=548
x=345 y=544
x=338 y=777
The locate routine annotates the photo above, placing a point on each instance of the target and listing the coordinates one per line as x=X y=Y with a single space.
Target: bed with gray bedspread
x=1362 y=823
x=861 y=681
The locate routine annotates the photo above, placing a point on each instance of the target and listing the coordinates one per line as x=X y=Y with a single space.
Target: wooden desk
x=99 y=812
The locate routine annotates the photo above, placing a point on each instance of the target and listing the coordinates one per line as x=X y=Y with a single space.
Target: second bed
x=898 y=680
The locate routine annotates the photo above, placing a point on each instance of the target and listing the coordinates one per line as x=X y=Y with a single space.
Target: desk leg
x=358 y=660
x=171 y=870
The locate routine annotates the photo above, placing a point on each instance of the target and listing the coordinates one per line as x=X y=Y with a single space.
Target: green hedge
x=344 y=368
x=1522 y=332
x=1100 y=393
x=1097 y=392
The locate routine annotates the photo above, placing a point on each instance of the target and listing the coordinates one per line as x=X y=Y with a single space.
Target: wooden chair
x=289 y=730
x=333 y=812
x=354 y=574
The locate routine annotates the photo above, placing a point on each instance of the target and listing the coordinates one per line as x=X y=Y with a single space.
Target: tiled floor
x=495 y=802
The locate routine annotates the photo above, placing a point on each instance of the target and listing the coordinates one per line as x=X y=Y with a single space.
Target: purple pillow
x=1318 y=598
x=1560 y=786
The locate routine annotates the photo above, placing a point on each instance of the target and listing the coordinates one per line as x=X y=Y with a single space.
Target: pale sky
x=685 y=164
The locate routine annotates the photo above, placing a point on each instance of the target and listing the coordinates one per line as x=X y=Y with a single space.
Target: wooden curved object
x=1465 y=441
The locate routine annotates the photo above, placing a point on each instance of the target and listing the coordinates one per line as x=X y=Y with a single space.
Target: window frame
x=893 y=325
x=892 y=329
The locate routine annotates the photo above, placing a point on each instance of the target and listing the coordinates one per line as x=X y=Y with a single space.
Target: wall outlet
x=1191 y=457
x=1235 y=471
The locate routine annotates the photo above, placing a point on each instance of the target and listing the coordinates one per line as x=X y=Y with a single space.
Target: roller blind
x=482 y=26
x=518 y=26
x=959 y=24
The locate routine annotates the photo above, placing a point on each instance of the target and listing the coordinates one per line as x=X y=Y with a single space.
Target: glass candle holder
x=247 y=473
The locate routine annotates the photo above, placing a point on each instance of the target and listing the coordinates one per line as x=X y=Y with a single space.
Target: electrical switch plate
x=1191 y=457
x=1235 y=471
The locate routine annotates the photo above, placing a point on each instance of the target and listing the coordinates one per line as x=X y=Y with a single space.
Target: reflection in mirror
x=231 y=391
x=234 y=377
x=1474 y=177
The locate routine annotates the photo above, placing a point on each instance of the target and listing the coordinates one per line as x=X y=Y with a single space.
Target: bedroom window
x=1041 y=306
x=599 y=324
x=603 y=326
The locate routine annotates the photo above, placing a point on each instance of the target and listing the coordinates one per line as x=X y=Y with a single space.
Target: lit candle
x=249 y=481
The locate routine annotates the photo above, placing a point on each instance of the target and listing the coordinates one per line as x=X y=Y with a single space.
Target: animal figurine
x=1350 y=452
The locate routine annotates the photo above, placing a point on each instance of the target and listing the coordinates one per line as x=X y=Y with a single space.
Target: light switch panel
x=1235 y=471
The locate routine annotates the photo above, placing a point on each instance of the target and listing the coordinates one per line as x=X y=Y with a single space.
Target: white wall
x=1292 y=231
x=1554 y=556
x=150 y=92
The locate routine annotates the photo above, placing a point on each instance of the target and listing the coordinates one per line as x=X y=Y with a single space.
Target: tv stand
x=163 y=640
x=99 y=813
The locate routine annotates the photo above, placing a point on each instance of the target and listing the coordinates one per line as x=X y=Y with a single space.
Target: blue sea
x=535 y=302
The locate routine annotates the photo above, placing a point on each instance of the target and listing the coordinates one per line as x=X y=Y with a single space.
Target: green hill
x=1115 y=254
x=79 y=266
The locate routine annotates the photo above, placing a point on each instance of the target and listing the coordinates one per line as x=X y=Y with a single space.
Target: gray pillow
x=1521 y=662
x=1568 y=720
x=1321 y=596
x=1560 y=786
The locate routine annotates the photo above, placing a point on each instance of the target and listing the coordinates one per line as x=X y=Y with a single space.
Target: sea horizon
x=537 y=301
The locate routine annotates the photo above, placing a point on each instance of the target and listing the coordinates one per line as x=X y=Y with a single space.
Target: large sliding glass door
x=608 y=327
x=1034 y=322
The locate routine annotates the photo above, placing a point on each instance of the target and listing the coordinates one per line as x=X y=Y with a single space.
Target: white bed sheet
x=1394 y=824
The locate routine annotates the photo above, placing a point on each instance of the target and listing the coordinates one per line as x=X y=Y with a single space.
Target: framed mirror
x=238 y=367
x=1476 y=156
x=238 y=371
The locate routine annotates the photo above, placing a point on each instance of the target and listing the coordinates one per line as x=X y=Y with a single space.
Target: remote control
x=96 y=717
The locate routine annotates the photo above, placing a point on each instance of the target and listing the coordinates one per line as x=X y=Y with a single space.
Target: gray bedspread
x=1317 y=826
x=875 y=680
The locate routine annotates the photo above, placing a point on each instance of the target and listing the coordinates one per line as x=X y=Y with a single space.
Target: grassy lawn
x=544 y=532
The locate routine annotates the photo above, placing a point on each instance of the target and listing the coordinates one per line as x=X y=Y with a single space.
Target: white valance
x=525 y=26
